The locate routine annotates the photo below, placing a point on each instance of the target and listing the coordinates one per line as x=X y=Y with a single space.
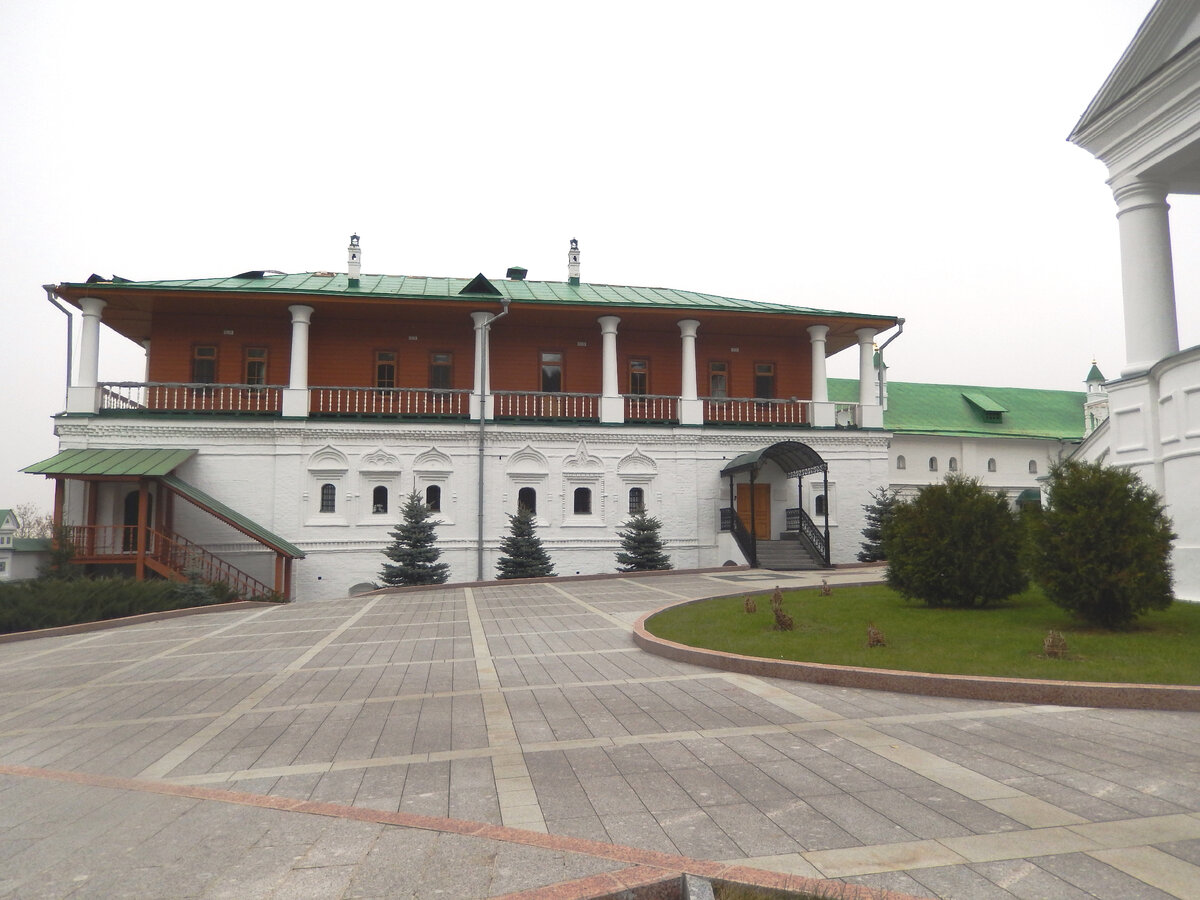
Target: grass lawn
x=1004 y=640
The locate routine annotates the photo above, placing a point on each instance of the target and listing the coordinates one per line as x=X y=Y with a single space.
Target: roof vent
x=517 y=273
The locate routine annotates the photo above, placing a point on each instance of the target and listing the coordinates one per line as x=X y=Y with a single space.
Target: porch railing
x=845 y=415
x=417 y=402
x=732 y=522
x=798 y=521
x=651 y=408
x=531 y=405
x=753 y=411
x=118 y=544
x=118 y=396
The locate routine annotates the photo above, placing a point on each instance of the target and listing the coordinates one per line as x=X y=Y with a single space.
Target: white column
x=146 y=347
x=83 y=397
x=870 y=413
x=691 y=408
x=295 y=395
x=482 y=380
x=1147 y=279
x=823 y=410
x=612 y=404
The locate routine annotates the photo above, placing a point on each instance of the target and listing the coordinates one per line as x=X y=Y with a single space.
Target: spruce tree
x=523 y=553
x=413 y=550
x=642 y=547
x=878 y=514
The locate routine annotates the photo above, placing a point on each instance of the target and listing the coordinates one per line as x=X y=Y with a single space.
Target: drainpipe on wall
x=484 y=386
x=883 y=368
x=53 y=298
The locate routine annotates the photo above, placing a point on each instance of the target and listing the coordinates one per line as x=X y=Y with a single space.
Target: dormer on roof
x=989 y=409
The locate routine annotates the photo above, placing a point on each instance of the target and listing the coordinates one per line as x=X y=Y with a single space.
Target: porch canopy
x=146 y=465
x=796 y=459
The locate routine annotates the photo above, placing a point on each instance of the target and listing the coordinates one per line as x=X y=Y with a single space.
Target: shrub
x=1102 y=547
x=413 y=551
x=522 y=553
x=955 y=544
x=641 y=545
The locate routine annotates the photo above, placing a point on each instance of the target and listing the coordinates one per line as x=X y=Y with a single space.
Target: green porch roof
x=139 y=463
x=232 y=516
x=974 y=411
x=405 y=287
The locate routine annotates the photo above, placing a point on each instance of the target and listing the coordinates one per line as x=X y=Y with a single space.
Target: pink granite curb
x=1185 y=698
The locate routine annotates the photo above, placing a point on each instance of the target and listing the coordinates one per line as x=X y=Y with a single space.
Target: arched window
x=637 y=501
x=901 y=463
x=952 y=464
x=527 y=499
x=328 y=498
x=933 y=464
x=820 y=505
x=1033 y=467
x=433 y=498
x=992 y=465
x=379 y=500
x=583 y=501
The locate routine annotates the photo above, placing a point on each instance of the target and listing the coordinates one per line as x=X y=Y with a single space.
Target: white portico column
x=823 y=410
x=612 y=404
x=870 y=412
x=482 y=380
x=295 y=395
x=83 y=397
x=1147 y=279
x=691 y=408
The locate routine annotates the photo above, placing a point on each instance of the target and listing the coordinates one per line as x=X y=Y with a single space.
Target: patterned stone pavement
x=472 y=741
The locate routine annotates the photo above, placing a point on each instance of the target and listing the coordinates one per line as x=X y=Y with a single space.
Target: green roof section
x=983 y=402
x=139 y=463
x=404 y=287
x=232 y=516
x=1094 y=374
x=944 y=409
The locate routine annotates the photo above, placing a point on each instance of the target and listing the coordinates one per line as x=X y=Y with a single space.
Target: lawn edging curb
x=1185 y=698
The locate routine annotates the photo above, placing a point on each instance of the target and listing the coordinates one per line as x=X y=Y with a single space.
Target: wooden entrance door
x=761 y=526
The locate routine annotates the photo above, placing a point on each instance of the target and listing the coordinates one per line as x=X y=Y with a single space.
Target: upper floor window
x=901 y=462
x=764 y=381
x=718 y=379
x=379 y=500
x=583 y=501
x=1033 y=467
x=552 y=372
x=992 y=465
x=952 y=464
x=204 y=364
x=639 y=376
x=433 y=498
x=440 y=370
x=255 y=366
x=328 y=498
x=527 y=500
x=637 y=501
x=933 y=464
x=385 y=368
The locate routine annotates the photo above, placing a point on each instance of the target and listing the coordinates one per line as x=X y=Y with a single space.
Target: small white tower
x=353 y=259
x=573 y=263
x=1095 y=407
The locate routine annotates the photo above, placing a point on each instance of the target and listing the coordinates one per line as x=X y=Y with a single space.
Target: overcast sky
x=902 y=158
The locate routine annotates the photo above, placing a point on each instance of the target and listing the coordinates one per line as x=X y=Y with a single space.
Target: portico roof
x=793 y=457
x=143 y=462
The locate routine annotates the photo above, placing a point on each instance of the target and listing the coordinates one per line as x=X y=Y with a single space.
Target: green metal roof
x=1094 y=374
x=146 y=462
x=948 y=409
x=791 y=456
x=234 y=518
x=403 y=287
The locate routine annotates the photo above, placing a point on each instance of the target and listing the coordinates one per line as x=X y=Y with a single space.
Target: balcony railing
x=132 y=396
x=651 y=408
x=530 y=405
x=414 y=402
x=753 y=411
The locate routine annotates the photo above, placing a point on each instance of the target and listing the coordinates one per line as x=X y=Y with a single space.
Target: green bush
x=1102 y=548
x=954 y=544
x=53 y=602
